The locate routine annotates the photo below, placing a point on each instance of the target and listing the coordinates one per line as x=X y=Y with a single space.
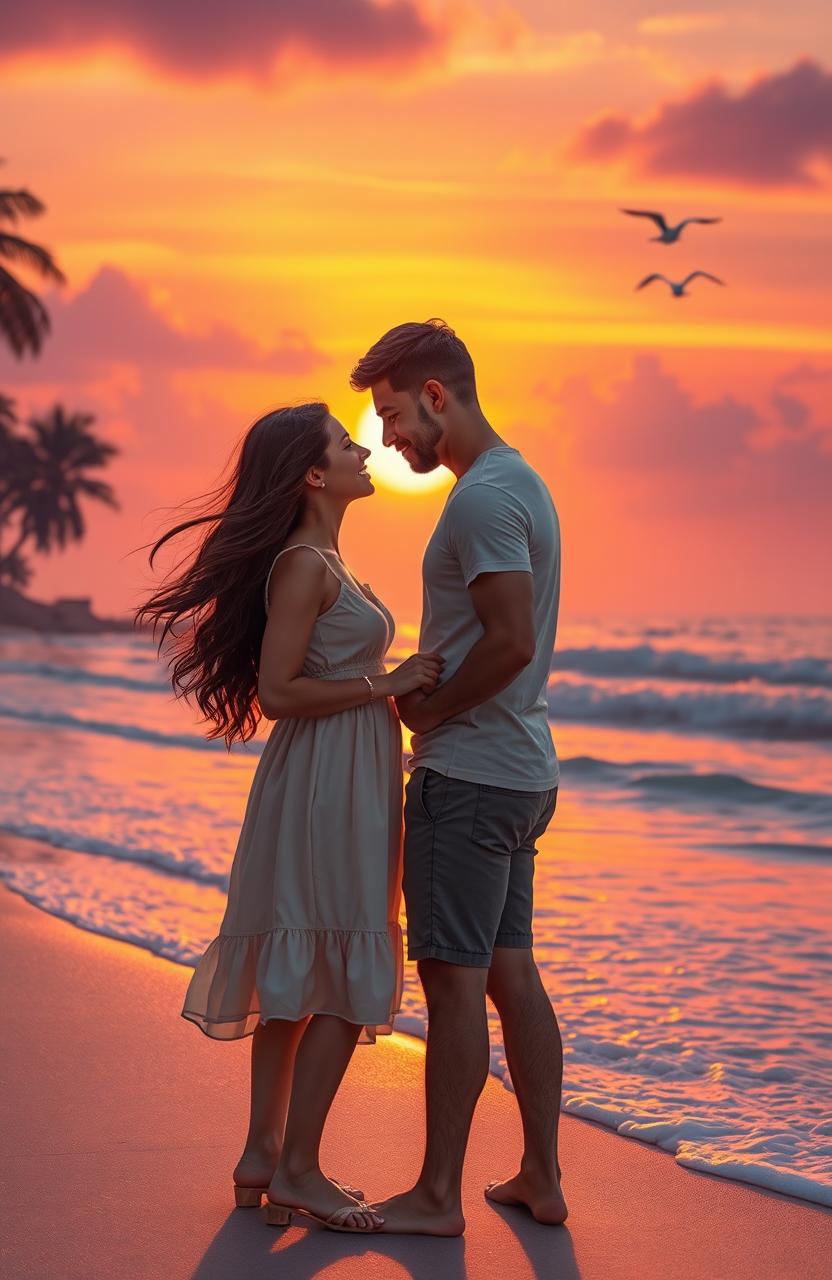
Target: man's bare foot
x=314 y=1191
x=544 y=1202
x=415 y=1212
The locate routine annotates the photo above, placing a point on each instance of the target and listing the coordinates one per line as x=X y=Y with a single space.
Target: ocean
x=683 y=892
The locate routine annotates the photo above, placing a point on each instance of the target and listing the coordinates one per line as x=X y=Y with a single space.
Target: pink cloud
x=651 y=423
x=792 y=413
x=768 y=135
x=113 y=354
x=718 y=455
x=111 y=322
x=206 y=38
x=807 y=373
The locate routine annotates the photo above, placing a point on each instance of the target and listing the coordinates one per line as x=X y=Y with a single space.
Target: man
x=484 y=772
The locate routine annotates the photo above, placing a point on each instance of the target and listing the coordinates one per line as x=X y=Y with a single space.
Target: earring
x=323 y=484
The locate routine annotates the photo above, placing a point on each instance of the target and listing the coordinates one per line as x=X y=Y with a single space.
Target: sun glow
x=388 y=468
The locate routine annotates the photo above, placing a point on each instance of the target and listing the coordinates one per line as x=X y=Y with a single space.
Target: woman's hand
x=421 y=671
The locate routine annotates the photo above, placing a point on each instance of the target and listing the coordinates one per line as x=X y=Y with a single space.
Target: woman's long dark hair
x=212 y=612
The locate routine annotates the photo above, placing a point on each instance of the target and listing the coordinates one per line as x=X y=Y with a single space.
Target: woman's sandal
x=280 y=1215
x=252 y=1197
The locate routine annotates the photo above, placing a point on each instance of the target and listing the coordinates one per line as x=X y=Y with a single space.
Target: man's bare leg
x=534 y=1053
x=456 y=1069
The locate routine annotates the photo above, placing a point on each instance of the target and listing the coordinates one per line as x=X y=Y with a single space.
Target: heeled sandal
x=252 y=1197
x=280 y=1215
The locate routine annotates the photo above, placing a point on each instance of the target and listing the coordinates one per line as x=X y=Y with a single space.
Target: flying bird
x=669 y=235
x=678 y=288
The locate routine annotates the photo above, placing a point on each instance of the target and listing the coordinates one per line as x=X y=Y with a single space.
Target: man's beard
x=425 y=458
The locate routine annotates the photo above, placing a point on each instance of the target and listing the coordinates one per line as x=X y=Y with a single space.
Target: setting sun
x=389 y=468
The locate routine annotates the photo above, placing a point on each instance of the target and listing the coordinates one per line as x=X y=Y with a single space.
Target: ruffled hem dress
x=312 y=918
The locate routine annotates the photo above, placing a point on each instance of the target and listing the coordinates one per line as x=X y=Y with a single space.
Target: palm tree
x=54 y=476
x=15 y=572
x=44 y=474
x=11 y=459
x=13 y=568
x=24 y=320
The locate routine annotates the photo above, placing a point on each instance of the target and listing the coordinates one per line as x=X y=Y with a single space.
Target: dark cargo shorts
x=469 y=866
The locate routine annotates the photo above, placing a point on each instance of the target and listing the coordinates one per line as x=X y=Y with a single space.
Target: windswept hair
x=413 y=353
x=211 y=613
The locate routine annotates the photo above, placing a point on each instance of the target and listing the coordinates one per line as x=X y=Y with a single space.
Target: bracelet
x=370 y=687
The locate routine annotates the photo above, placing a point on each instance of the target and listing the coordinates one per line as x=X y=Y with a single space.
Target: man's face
x=408 y=426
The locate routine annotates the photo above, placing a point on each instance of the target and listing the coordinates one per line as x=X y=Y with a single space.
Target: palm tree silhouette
x=46 y=476
x=24 y=320
x=13 y=568
x=45 y=472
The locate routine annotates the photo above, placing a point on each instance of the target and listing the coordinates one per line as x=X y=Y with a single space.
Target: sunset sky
x=243 y=198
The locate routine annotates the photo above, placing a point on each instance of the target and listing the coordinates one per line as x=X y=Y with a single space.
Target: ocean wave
x=589 y=769
x=728 y=787
x=133 y=733
x=187 y=869
x=795 y=717
x=664 y=782
x=682 y=664
x=780 y=848
x=80 y=675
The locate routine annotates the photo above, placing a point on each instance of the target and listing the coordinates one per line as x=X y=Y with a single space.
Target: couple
x=268 y=618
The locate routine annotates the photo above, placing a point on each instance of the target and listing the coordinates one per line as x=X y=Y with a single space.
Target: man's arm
x=504 y=604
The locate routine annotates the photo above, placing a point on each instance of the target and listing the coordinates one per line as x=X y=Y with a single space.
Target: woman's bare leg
x=273 y=1049
x=321 y=1060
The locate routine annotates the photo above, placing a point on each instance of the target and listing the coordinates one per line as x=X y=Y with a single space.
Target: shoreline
x=669 y=1133
x=140 y=1121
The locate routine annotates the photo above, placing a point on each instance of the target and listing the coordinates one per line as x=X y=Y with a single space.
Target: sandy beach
x=121 y=1125
x=518 y=316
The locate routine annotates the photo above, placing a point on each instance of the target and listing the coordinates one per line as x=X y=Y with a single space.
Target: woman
x=268 y=619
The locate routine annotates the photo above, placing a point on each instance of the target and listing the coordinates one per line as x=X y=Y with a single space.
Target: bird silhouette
x=678 y=288
x=669 y=235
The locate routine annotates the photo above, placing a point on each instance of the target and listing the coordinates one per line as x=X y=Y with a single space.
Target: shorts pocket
x=430 y=791
x=503 y=818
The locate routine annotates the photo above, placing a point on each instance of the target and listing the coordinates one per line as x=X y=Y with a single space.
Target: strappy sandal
x=252 y=1197
x=280 y=1215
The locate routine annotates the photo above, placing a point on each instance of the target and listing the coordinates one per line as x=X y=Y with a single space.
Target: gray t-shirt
x=499 y=517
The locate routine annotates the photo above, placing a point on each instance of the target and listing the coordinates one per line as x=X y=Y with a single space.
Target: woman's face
x=346 y=477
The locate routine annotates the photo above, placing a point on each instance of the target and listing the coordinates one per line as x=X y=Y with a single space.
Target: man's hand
x=415 y=711
x=504 y=605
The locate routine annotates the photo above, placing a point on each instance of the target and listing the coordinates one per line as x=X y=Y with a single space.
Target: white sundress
x=312 y=919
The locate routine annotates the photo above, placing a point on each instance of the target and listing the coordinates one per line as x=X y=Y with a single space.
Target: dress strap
x=318 y=551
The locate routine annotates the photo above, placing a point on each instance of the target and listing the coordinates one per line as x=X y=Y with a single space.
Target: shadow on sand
x=245 y=1246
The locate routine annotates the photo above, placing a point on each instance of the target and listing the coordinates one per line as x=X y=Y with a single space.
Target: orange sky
x=240 y=212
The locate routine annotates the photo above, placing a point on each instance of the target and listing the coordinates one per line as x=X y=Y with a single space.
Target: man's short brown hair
x=411 y=354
